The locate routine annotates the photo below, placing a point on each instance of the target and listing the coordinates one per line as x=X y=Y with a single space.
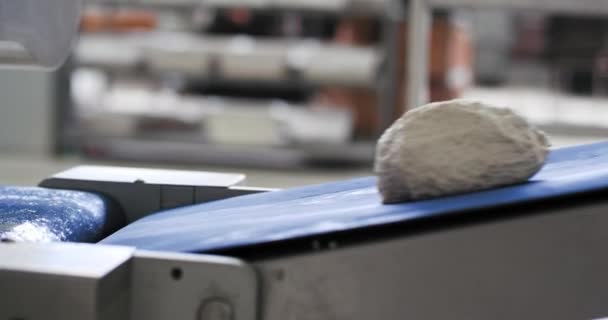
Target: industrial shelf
x=355 y=7
x=234 y=58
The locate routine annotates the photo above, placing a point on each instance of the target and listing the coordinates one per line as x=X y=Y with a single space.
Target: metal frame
x=420 y=18
x=539 y=264
x=95 y=282
x=547 y=264
x=177 y=286
x=419 y=30
x=140 y=192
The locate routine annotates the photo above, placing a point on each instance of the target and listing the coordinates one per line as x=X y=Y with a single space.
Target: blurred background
x=290 y=92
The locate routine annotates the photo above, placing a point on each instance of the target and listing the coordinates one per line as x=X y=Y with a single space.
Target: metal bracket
x=140 y=192
x=94 y=282
x=185 y=286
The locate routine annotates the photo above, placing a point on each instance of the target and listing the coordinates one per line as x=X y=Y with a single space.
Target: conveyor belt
x=349 y=205
x=45 y=215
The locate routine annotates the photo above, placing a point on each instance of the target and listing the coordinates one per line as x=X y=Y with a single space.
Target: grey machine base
x=524 y=262
x=547 y=266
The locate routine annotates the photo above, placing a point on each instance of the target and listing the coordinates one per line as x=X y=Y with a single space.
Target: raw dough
x=455 y=147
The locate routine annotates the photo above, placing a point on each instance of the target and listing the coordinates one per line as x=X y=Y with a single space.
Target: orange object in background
x=450 y=70
x=451 y=61
x=361 y=102
x=118 y=21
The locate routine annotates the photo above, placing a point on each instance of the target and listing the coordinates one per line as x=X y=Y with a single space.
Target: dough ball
x=456 y=147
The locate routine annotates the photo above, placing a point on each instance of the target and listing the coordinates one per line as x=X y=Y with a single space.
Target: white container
x=183 y=53
x=320 y=5
x=245 y=58
x=241 y=122
x=109 y=51
x=37 y=33
x=336 y=64
x=256 y=4
x=313 y=124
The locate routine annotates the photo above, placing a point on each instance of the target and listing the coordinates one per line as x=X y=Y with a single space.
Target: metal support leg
x=388 y=84
x=419 y=21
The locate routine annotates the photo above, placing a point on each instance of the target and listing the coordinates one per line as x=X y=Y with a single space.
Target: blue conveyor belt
x=45 y=215
x=348 y=205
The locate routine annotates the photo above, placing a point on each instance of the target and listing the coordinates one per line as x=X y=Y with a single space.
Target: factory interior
x=285 y=96
x=292 y=94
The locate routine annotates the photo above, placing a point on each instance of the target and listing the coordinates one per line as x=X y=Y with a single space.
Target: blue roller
x=345 y=206
x=46 y=215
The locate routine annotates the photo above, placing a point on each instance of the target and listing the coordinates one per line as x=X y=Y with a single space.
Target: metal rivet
x=176 y=273
x=7 y=240
x=216 y=309
x=316 y=245
x=279 y=274
x=333 y=245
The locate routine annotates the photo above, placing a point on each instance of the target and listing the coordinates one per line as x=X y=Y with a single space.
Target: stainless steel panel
x=185 y=286
x=543 y=267
x=63 y=281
